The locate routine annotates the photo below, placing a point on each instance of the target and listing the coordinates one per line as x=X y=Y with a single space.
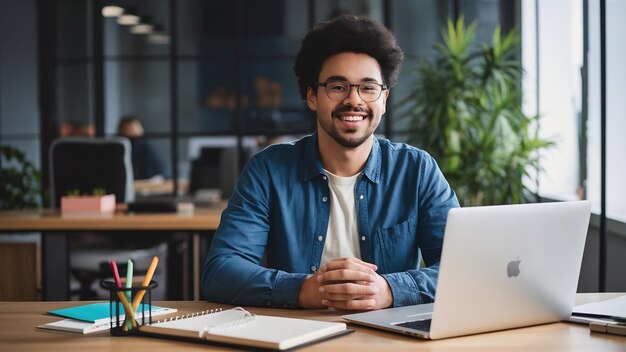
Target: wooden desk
x=56 y=228
x=202 y=219
x=19 y=319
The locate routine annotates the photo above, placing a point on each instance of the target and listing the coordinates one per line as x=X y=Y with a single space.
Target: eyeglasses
x=339 y=90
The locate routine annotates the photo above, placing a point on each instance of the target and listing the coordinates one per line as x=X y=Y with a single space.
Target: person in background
x=76 y=129
x=339 y=218
x=147 y=164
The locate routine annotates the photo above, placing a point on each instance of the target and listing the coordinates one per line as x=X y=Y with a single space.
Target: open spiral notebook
x=240 y=327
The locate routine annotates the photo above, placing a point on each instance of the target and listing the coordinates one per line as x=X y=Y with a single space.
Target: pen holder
x=119 y=303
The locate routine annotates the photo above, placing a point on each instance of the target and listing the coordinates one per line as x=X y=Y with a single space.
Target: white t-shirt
x=342 y=236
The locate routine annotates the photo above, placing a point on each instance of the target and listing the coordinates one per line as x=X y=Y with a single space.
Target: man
x=147 y=163
x=339 y=216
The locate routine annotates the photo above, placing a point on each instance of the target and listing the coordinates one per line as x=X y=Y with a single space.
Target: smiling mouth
x=353 y=118
x=351 y=114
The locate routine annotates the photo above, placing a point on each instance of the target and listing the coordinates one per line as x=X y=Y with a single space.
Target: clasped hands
x=347 y=284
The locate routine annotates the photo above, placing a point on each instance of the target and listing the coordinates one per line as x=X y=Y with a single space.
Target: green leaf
x=20 y=187
x=465 y=109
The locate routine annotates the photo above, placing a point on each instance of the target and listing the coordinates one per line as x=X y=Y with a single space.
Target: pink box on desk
x=88 y=204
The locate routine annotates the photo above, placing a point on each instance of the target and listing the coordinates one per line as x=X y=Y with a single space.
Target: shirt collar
x=373 y=164
x=313 y=165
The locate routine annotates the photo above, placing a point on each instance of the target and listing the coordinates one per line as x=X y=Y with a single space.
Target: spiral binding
x=191 y=315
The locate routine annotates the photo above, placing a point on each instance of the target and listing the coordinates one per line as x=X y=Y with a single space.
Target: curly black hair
x=347 y=33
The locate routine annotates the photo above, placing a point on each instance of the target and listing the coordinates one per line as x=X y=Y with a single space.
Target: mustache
x=343 y=108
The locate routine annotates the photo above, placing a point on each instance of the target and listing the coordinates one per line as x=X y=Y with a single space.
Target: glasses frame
x=350 y=85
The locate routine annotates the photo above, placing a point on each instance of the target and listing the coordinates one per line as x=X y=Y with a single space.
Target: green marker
x=129 y=284
x=129 y=279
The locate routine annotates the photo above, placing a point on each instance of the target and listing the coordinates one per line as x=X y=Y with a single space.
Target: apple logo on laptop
x=513 y=268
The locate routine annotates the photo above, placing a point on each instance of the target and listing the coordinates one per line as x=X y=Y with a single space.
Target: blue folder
x=97 y=312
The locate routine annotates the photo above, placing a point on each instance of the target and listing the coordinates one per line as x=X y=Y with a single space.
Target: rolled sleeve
x=286 y=288
x=403 y=288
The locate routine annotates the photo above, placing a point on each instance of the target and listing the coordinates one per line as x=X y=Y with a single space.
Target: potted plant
x=97 y=202
x=20 y=187
x=466 y=111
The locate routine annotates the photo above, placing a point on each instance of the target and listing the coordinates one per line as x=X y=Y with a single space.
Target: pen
x=121 y=296
x=145 y=283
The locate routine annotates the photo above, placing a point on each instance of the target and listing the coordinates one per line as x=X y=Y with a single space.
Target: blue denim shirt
x=271 y=235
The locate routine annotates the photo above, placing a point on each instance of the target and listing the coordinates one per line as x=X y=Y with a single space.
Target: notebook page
x=237 y=326
x=281 y=332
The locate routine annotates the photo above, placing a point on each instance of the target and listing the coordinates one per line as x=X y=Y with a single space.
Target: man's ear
x=311 y=99
x=385 y=95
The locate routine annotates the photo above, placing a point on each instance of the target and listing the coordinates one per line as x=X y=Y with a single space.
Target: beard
x=350 y=138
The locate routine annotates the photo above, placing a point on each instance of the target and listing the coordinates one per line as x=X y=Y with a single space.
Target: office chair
x=216 y=169
x=205 y=170
x=84 y=164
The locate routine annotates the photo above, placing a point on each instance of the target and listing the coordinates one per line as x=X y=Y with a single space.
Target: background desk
x=18 y=332
x=56 y=228
x=164 y=188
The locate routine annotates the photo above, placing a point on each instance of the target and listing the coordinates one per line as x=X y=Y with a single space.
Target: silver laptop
x=501 y=267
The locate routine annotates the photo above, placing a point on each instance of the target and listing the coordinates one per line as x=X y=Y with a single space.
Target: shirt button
x=324 y=178
x=313 y=268
x=361 y=196
x=320 y=238
x=362 y=238
x=324 y=199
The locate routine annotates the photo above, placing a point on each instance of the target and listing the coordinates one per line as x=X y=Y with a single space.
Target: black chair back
x=205 y=171
x=85 y=164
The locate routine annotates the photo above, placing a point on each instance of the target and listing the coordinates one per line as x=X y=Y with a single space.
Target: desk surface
x=202 y=219
x=58 y=227
x=19 y=319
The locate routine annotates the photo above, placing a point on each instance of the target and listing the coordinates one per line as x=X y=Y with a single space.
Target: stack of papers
x=94 y=317
x=608 y=311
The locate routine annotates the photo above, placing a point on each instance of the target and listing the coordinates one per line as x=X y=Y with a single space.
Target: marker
x=129 y=279
x=129 y=285
x=116 y=273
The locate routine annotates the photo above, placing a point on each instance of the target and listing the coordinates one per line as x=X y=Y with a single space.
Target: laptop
x=501 y=267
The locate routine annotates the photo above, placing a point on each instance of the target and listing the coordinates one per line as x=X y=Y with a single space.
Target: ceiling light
x=128 y=19
x=141 y=28
x=159 y=39
x=112 y=11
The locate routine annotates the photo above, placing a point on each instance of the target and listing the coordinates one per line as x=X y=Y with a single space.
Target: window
x=232 y=62
x=615 y=107
x=552 y=58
